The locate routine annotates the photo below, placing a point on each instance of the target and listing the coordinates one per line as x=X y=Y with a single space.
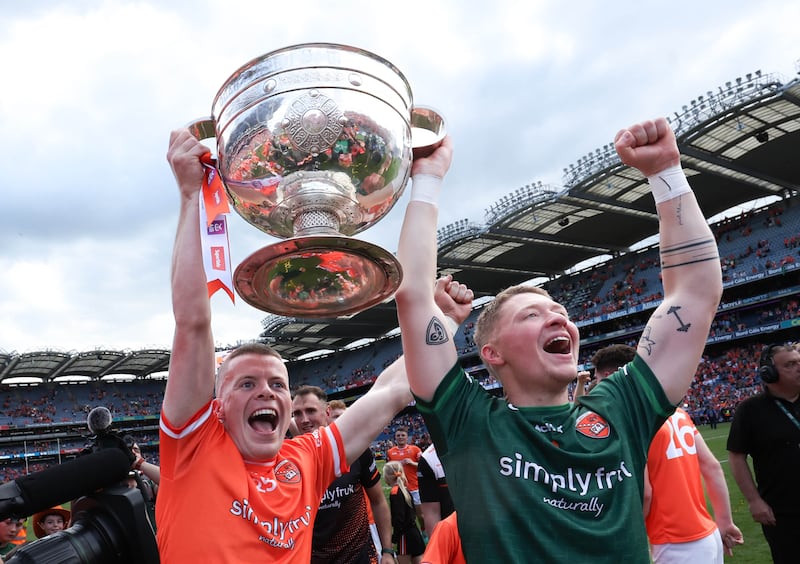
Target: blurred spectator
x=408 y=456
x=8 y=532
x=50 y=521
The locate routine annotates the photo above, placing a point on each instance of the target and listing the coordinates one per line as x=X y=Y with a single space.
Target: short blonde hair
x=337 y=404
x=486 y=325
x=249 y=348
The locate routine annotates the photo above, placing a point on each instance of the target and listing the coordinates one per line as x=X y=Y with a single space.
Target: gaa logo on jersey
x=592 y=425
x=287 y=472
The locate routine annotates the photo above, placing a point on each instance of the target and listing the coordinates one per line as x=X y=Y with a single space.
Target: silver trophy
x=314 y=144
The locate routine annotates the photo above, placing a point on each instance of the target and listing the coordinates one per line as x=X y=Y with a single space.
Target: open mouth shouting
x=558 y=345
x=264 y=420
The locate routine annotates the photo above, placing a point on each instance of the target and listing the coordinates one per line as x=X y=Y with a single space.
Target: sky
x=92 y=89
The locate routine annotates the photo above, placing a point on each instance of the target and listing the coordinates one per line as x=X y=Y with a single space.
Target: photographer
x=110 y=520
x=146 y=477
x=151 y=471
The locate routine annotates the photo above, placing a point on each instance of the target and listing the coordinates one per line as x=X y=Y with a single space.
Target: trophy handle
x=427 y=131
x=202 y=128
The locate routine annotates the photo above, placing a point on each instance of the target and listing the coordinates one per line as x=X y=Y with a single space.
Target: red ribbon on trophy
x=214 y=231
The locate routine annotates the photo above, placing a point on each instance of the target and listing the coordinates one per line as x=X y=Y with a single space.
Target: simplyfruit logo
x=592 y=425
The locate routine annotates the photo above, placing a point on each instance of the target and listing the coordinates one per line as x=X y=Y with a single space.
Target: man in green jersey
x=533 y=476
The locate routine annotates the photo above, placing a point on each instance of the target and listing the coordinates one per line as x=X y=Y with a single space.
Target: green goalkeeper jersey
x=549 y=484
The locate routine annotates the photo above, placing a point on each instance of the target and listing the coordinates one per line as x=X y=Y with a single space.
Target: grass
x=755 y=549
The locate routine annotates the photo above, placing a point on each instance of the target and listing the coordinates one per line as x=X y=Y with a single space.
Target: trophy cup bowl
x=314 y=145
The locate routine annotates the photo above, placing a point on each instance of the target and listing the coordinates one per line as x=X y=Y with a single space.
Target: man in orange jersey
x=408 y=455
x=223 y=437
x=679 y=526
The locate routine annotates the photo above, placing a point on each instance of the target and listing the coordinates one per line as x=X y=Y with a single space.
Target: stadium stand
x=582 y=243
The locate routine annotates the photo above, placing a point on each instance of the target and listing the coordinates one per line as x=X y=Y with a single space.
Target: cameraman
x=151 y=471
x=146 y=476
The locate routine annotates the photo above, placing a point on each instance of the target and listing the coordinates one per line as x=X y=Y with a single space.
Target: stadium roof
x=52 y=365
x=738 y=144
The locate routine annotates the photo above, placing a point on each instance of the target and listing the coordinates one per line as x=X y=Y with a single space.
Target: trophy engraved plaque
x=314 y=144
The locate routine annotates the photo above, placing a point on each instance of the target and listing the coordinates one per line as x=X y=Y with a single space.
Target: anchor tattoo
x=684 y=326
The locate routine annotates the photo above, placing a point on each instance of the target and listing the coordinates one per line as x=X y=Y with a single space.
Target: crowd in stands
x=721 y=383
x=56 y=403
x=36 y=455
x=747 y=243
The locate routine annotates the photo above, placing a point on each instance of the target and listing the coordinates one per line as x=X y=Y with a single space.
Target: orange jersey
x=213 y=506
x=409 y=451
x=678 y=510
x=444 y=546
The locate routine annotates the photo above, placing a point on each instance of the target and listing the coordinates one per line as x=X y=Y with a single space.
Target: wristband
x=668 y=184
x=391 y=551
x=138 y=464
x=426 y=188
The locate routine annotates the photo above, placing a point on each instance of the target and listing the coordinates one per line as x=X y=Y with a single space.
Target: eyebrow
x=554 y=307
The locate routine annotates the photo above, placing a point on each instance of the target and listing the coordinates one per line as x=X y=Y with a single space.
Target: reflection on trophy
x=314 y=145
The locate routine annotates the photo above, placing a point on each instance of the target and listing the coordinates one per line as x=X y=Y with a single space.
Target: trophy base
x=317 y=276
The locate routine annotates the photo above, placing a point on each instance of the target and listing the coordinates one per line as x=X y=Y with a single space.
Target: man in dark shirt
x=767 y=428
x=342 y=529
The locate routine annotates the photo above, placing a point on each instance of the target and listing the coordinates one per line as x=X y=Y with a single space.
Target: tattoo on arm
x=436 y=334
x=684 y=327
x=689 y=252
x=646 y=342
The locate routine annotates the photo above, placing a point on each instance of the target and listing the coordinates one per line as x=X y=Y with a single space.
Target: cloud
x=93 y=89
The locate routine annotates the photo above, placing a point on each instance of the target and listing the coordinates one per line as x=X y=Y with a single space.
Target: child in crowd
x=405 y=533
x=51 y=521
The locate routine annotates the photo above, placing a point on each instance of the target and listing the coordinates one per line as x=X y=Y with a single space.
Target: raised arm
x=674 y=338
x=190 y=383
x=427 y=340
x=718 y=494
x=363 y=421
x=584 y=377
x=366 y=418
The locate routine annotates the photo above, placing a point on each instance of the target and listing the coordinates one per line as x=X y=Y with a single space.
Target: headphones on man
x=766 y=368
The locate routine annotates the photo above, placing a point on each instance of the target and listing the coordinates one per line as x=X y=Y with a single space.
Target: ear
x=491 y=355
x=218 y=410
